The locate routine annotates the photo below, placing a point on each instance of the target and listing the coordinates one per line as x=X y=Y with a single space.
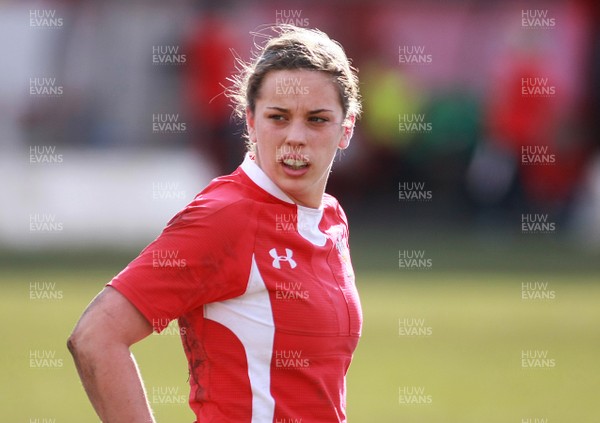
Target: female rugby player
x=263 y=287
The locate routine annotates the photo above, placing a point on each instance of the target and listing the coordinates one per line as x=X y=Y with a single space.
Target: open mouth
x=294 y=163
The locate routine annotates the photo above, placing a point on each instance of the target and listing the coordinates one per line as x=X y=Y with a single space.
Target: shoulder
x=228 y=201
x=332 y=207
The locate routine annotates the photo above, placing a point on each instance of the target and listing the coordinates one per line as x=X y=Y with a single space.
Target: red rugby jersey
x=265 y=296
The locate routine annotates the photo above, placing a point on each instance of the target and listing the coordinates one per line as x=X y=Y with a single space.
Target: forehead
x=300 y=87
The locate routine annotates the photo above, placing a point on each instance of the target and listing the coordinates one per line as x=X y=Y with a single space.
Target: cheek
x=265 y=130
x=325 y=153
x=335 y=140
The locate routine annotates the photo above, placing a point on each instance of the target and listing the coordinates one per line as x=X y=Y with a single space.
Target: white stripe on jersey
x=250 y=318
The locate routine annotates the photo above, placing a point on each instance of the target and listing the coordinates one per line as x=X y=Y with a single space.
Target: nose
x=296 y=134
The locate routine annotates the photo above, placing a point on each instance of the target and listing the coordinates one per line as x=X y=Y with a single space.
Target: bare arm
x=100 y=347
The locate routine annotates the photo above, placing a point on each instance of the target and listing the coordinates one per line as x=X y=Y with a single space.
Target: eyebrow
x=312 y=112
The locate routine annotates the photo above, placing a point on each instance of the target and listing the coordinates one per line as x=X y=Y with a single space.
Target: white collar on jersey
x=308 y=218
x=261 y=179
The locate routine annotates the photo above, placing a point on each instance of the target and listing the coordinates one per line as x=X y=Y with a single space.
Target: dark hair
x=295 y=48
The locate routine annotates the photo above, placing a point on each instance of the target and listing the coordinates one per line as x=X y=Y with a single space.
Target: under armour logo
x=277 y=258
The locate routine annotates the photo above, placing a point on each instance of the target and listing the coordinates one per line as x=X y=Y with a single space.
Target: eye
x=317 y=119
x=276 y=117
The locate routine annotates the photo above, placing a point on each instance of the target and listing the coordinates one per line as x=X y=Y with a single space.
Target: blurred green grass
x=470 y=365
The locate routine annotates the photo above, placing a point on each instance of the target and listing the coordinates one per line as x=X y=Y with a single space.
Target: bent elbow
x=79 y=342
x=73 y=343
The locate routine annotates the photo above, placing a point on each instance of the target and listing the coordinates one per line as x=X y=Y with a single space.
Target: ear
x=348 y=127
x=250 y=125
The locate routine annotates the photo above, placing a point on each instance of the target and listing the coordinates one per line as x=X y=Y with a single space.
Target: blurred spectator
x=210 y=63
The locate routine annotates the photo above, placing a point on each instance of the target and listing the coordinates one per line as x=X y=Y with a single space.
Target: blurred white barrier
x=585 y=221
x=55 y=198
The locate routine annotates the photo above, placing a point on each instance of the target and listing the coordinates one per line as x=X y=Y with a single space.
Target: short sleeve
x=203 y=255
